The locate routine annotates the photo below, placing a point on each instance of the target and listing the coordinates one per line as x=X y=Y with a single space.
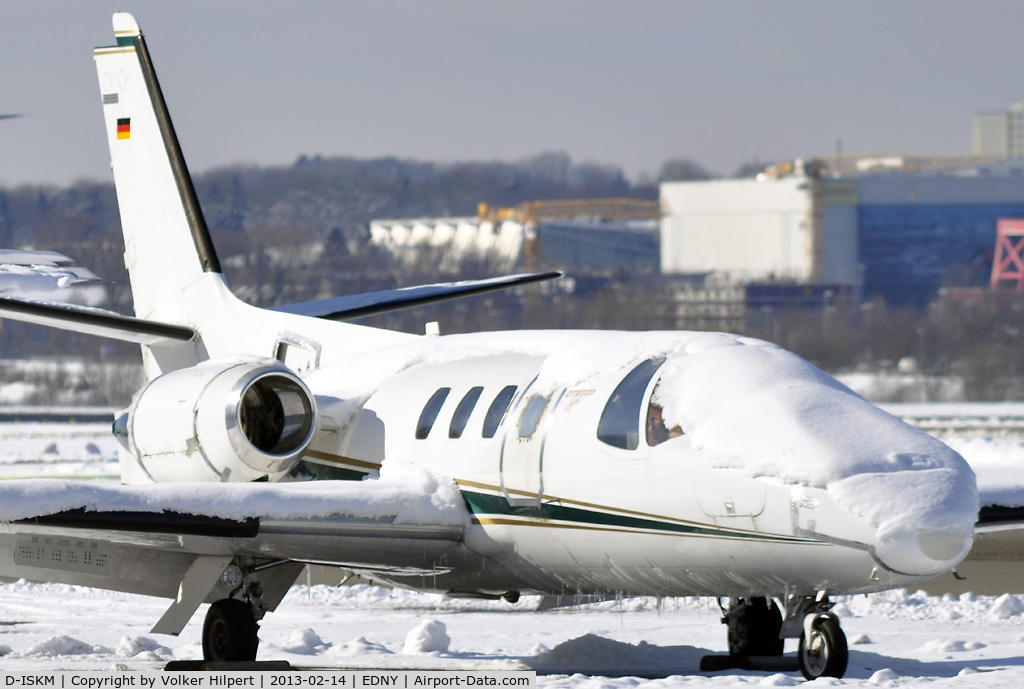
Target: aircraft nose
x=923 y=552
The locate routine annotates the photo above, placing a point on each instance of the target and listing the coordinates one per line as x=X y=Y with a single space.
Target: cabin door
x=522 y=449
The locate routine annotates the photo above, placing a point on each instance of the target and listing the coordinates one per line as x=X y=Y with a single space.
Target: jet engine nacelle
x=235 y=420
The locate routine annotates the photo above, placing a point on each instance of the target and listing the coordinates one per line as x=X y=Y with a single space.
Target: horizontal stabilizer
x=84 y=319
x=48 y=276
x=373 y=303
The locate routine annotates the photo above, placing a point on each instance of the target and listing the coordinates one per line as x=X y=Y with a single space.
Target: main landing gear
x=229 y=632
x=232 y=623
x=757 y=629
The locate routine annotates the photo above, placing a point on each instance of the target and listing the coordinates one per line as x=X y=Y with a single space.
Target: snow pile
x=1007 y=606
x=63 y=646
x=141 y=647
x=607 y=656
x=430 y=636
x=305 y=642
x=357 y=647
x=754 y=407
x=884 y=677
x=943 y=646
x=403 y=493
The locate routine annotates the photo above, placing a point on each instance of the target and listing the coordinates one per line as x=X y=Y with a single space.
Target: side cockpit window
x=463 y=412
x=430 y=411
x=620 y=421
x=657 y=431
x=496 y=412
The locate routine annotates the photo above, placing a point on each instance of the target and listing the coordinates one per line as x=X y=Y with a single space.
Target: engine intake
x=220 y=421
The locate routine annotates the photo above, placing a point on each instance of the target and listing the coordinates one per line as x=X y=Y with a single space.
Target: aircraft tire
x=754 y=626
x=229 y=632
x=824 y=653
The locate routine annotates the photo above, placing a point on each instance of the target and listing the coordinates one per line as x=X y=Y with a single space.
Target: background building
x=895 y=227
x=587 y=236
x=1000 y=134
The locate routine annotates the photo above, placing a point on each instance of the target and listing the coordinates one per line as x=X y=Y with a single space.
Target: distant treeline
x=264 y=218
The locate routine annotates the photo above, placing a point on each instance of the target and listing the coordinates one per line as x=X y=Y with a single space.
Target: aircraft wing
x=179 y=541
x=352 y=522
x=373 y=303
x=93 y=321
x=996 y=517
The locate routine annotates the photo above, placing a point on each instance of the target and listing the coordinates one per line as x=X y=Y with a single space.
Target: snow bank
x=406 y=494
x=608 y=656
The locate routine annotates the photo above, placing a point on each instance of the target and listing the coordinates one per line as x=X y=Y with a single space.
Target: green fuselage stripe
x=481 y=504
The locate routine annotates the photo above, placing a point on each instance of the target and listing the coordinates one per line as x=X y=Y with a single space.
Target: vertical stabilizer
x=167 y=244
x=175 y=275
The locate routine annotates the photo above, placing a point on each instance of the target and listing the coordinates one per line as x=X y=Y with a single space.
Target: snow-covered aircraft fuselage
x=490 y=464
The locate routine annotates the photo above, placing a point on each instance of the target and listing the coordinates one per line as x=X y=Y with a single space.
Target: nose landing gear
x=823 y=651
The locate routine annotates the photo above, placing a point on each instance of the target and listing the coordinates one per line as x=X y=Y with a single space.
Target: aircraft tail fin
x=167 y=244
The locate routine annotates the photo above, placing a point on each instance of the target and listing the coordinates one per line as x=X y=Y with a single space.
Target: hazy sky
x=625 y=83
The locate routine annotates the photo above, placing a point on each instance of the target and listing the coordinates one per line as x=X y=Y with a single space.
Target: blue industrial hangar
x=895 y=227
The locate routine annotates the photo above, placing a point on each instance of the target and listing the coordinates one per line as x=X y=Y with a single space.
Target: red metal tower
x=1008 y=263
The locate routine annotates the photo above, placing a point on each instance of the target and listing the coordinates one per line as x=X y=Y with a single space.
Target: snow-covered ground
x=896 y=639
x=66 y=450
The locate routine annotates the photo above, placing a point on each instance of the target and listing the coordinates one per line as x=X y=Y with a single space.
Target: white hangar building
x=756 y=230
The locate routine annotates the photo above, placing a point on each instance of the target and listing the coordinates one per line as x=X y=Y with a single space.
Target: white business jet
x=488 y=465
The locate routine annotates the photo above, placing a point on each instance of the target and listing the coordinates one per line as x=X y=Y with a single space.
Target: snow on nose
x=756 y=408
x=923 y=552
x=923 y=511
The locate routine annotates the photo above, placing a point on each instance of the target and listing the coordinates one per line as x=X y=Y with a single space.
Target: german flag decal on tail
x=124 y=128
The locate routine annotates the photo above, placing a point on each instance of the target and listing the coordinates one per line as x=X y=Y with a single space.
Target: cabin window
x=496 y=412
x=530 y=419
x=463 y=412
x=620 y=421
x=430 y=411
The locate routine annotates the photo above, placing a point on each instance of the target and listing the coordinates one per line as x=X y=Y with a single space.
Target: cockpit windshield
x=620 y=421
